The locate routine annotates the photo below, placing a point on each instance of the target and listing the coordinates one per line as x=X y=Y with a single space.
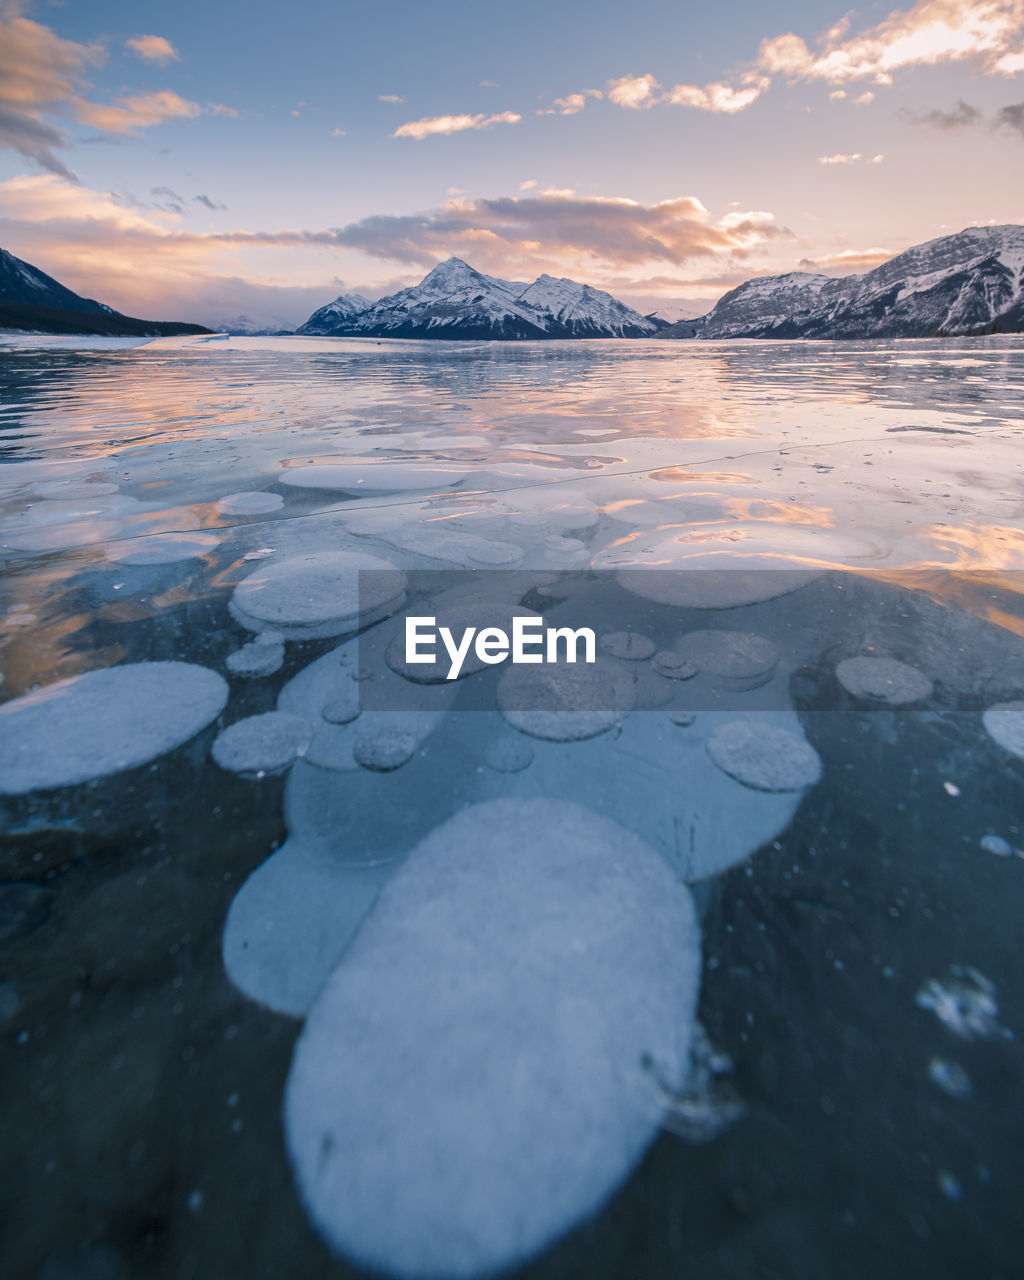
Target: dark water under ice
x=855 y=1109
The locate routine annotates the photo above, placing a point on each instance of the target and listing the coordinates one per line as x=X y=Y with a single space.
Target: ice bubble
x=335 y=679
x=949 y=1186
x=660 y=781
x=76 y=490
x=374 y=522
x=651 y=690
x=950 y=1077
x=344 y=709
x=883 y=680
x=566 y=702
x=162 y=548
x=54 y=525
x=102 y=722
x=323 y=593
x=532 y=510
x=1005 y=723
x=373 y=474
x=290 y=923
x=966 y=1003
x=259 y=657
x=628 y=646
x=484 y=1067
x=262 y=744
x=731 y=659
x=508 y=755
x=450 y=546
x=709 y=587
x=673 y=666
x=997 y=845
x=565 y=553
x=682 y=718
x=764 y=756
x=250 y=504
x=384 y=747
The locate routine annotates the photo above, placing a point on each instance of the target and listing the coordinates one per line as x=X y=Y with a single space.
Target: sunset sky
x=205 y=161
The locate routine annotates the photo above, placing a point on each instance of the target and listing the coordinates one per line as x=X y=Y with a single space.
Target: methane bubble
x=488 y=1062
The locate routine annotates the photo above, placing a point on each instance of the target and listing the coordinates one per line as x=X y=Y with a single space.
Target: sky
x=211 y=162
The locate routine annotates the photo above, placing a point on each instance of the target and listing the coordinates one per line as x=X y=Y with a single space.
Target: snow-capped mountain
x=961 y=284
x=325 y=320
x=20 y=282
x=32 y=301
x=456 y=301
x=580 y=311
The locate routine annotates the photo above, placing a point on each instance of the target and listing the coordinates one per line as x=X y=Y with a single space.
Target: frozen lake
x=277 y=994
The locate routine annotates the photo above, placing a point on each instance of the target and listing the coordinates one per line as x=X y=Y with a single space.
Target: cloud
x=219 y=109
x=514 y=233
x=1011 y=117
x=641 y=92
x=212 y=205
x=572 y=103
x=987 y=33
x=152 y=48
x=391 y=97
x=635 y=92
x=855 y=158
x=453 y=124
x=127 y=115
x=169 y=201
x=43 y=75
x=37 y=68
x=528 y=184
x=133 y=257
x=962 y=116
x=39 y=72
x=33 y=138
x=717 y=97
x=965 y=116
x=933 y=32
x=847 y=262
x=338 y=132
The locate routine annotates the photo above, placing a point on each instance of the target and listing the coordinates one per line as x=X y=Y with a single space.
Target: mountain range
x=456 y=301
x=33 y=301
x=968 y=283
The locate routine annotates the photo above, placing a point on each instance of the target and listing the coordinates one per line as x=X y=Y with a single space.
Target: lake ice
x=452 y=935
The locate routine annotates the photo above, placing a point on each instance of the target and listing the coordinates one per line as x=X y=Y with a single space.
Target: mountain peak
x=454 y=300
x=450 y=267
x=971 y=282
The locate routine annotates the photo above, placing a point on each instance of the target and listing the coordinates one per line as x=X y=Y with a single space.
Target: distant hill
x=969 y=283
x=456 y=301
x=33 y=301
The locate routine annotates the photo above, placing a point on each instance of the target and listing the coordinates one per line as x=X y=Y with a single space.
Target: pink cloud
x=453 y=124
